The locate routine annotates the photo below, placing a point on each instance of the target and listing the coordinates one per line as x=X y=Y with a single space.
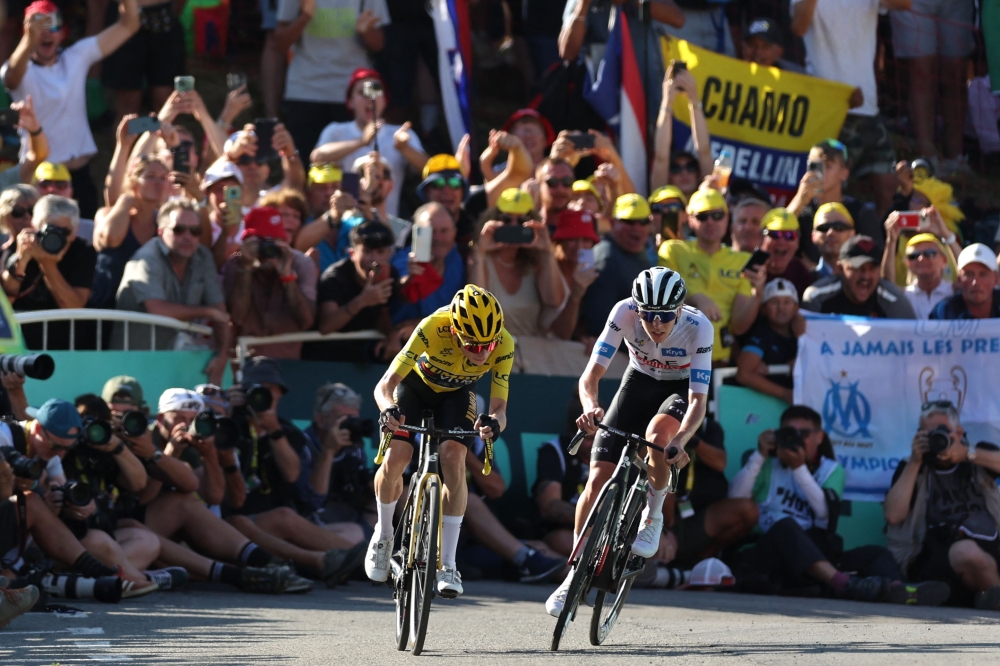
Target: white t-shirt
x=922 y=302
x=840 y=46
x=350 y=131
x=59 y=93
x=329 y=50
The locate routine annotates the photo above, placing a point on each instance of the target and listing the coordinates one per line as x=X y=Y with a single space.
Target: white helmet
x=659 y=288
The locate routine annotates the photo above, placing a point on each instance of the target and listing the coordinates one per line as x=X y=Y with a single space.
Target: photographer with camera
x=270 y=288
x=263 y=487
x=943 y=509
x=52 y=269
x=797 y=485
x=16 y=602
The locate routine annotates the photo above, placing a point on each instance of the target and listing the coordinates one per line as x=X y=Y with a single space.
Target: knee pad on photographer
x=674 y=406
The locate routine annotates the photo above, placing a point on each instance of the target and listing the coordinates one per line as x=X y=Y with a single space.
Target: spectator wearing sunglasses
x=555 y=187
x=618 y=258
x=16 y=204
x=832 y=226
x=977 y=296
x=931 y=219
x=781 y=239
x=174 y=275
x=241 y=149
x=444 y=184
x=856 y=289
x=926 y=265
x=668 y=201
x=717 y=284
x=377 y=183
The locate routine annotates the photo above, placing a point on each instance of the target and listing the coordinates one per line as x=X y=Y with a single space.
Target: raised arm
x=17 y=66
x=112 y=37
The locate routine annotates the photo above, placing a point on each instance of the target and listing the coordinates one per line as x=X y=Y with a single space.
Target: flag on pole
x=451 y=28
x=619 y=97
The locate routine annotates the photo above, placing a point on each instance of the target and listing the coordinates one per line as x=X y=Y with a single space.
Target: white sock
x=450 y=529
x=654 y=502
x=384 y=524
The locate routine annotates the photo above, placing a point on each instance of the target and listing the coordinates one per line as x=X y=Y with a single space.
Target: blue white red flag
x=451 y=28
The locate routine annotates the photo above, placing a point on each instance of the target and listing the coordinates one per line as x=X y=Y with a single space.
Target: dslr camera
x=52 y=239
x=938 y=440
x=269 y=249
x=95 y=431
x=788 y=438
x=133 y=423
x=75 y=493
x=23 y=466
x=358 y=427
x=224 y=429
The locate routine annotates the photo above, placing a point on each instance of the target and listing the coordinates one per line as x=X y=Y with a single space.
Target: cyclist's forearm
x=384 y=397
x=588 y=385
x=498 y=410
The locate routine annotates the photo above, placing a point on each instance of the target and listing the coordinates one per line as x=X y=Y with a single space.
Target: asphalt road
x=496 y=623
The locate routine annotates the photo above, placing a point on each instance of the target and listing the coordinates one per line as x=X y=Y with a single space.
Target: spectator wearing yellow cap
x=713 y=272
x=585 y=197
x=323 y=180
x=668 y=203
x=927 y=263
x=832 y=226
x=55 y=179
x=619 y=257
x=781 y=239
x=928 y=220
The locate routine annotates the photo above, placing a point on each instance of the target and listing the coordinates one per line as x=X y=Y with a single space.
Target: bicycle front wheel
x=600 y=524
x=401 y=583
x=425 y=559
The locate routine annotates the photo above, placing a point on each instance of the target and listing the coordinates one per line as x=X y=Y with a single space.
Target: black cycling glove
x=391 y=410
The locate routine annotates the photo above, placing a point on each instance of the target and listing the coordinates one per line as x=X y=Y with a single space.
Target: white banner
x=869 y=378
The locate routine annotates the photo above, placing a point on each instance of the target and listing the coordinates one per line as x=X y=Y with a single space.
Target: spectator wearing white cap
x=978 y=296
x=770 y=342
x=227 y=226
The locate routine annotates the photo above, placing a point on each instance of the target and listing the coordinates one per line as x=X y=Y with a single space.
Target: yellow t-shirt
x=718 y=276
x=435 y=355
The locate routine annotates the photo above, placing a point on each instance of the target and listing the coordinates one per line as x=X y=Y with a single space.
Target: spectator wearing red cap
x=344 y=143
x=324 y=55
x=57 y=83
x=270 y=288
x=534 y=131
x=574 y=238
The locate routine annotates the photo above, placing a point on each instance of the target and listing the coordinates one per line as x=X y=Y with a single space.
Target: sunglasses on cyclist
x=833 y=226
x=454 y=182
x=786 y=235
x=714 y=215
x=474 y=347
x=664 y=316
x=514 y=219
x=914 y=256
x=681 y=167
x=17 y=212
x=557 y=182
x=181 y=229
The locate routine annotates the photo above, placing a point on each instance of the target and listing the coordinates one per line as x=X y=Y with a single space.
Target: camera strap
x=22 y=524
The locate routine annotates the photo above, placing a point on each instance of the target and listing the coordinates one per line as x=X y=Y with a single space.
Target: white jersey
x=686 y=353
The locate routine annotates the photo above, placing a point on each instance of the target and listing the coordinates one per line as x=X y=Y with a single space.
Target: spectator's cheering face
x=15 y=211
x=556 y=186
x=709 y=225
x=685 y=173
x=782 y=244
x=180 y=232
x=835 y=171
x=448 y=189
x=531 y=133
x=376 y=179
x=371 y=249
x=859 y=282
x=630 y=226
x=926 y=260
x=53 y=34
x=364 y=109
x=832 y=226
x=977 y=282
x=747 y=233
x=444 y=233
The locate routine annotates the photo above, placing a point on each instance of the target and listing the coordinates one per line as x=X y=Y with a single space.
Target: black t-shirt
x=266 y=487
x=99 y=471
x=709 y=485
x=774 y=348
x=568 y=471
x=955 y=501
x=839 y=303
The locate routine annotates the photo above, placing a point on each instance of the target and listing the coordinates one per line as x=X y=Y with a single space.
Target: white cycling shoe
x=377 y=558
x=554 y=604
x=647 y=541
x=449 y=582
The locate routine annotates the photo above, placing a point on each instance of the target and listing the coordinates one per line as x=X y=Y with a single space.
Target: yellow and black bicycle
x=416 y=554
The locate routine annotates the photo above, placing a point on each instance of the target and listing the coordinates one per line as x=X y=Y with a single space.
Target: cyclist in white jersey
x=670 y=356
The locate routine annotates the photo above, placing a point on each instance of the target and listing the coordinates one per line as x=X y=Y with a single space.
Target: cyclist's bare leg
x=660 y=431
x=600 y=472
x=389 y=477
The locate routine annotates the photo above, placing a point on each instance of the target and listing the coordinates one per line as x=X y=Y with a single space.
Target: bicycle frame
x=430 y=468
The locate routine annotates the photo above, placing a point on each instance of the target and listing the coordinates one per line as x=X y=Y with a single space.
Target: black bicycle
x=606 y=563
x=417 y=540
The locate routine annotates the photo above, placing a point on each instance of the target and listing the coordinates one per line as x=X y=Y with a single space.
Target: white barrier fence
x=45 y=317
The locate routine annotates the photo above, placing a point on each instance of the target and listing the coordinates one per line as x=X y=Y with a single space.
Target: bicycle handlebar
x=437 y=433
x=671 y=452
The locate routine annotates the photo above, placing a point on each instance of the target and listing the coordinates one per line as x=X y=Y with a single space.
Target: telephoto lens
x=36 y=366
x=23 y=466
x=134 y=423
x=203 y=425
x=227 y=433
x=73 y=586
x=76 y=493
x=96 y=431
x=259 y=398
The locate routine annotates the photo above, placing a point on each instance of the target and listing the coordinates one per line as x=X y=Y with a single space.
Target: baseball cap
x=362 y=73
x=515 y=202
x=179 y=400
x=765 y=29
x=220 y=169
x=977 y=253
x=711 y=572
x=123 y=384
x=51 y=171
x=263 y=222
x=924 y=238
x=706 y=199
x=833 y=207
x=665 y=193
x=442 y=162
x=575 y=224
x=859 y=250
x=60 y=418
x=325 y=173
x=631 y=207
x=373 y=234
x=531 y=114
x=779 y=219
x=263 y=370
x=580 y=186
x=832 y=149
x=780 y=287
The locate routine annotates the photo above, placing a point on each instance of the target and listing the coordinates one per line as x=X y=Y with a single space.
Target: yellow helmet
x=476 y=314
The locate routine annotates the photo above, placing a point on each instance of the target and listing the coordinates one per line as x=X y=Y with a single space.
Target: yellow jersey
x=435 y=355
x=719 y=276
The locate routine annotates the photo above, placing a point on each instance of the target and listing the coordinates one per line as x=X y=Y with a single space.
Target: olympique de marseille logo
x=846 y=411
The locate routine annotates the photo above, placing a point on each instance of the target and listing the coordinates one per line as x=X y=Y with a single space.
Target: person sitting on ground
x=270 y=288
x=771 y=342
x=800 y=545
x=856 y=288
x=52 y=269
x=943 y=509
x=832 y=226
x=781 y=240
x=977 y=296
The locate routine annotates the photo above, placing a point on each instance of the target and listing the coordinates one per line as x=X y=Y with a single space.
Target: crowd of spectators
x=305 y=221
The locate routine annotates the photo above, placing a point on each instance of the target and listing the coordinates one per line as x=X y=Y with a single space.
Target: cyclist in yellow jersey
x=448 y=352
x=717 y=284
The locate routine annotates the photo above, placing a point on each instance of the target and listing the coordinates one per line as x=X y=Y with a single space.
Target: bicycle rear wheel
x=425 y=559
x=401 y=582
x=599 y=523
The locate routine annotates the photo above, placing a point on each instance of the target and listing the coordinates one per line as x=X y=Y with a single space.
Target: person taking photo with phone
x=574 y=241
